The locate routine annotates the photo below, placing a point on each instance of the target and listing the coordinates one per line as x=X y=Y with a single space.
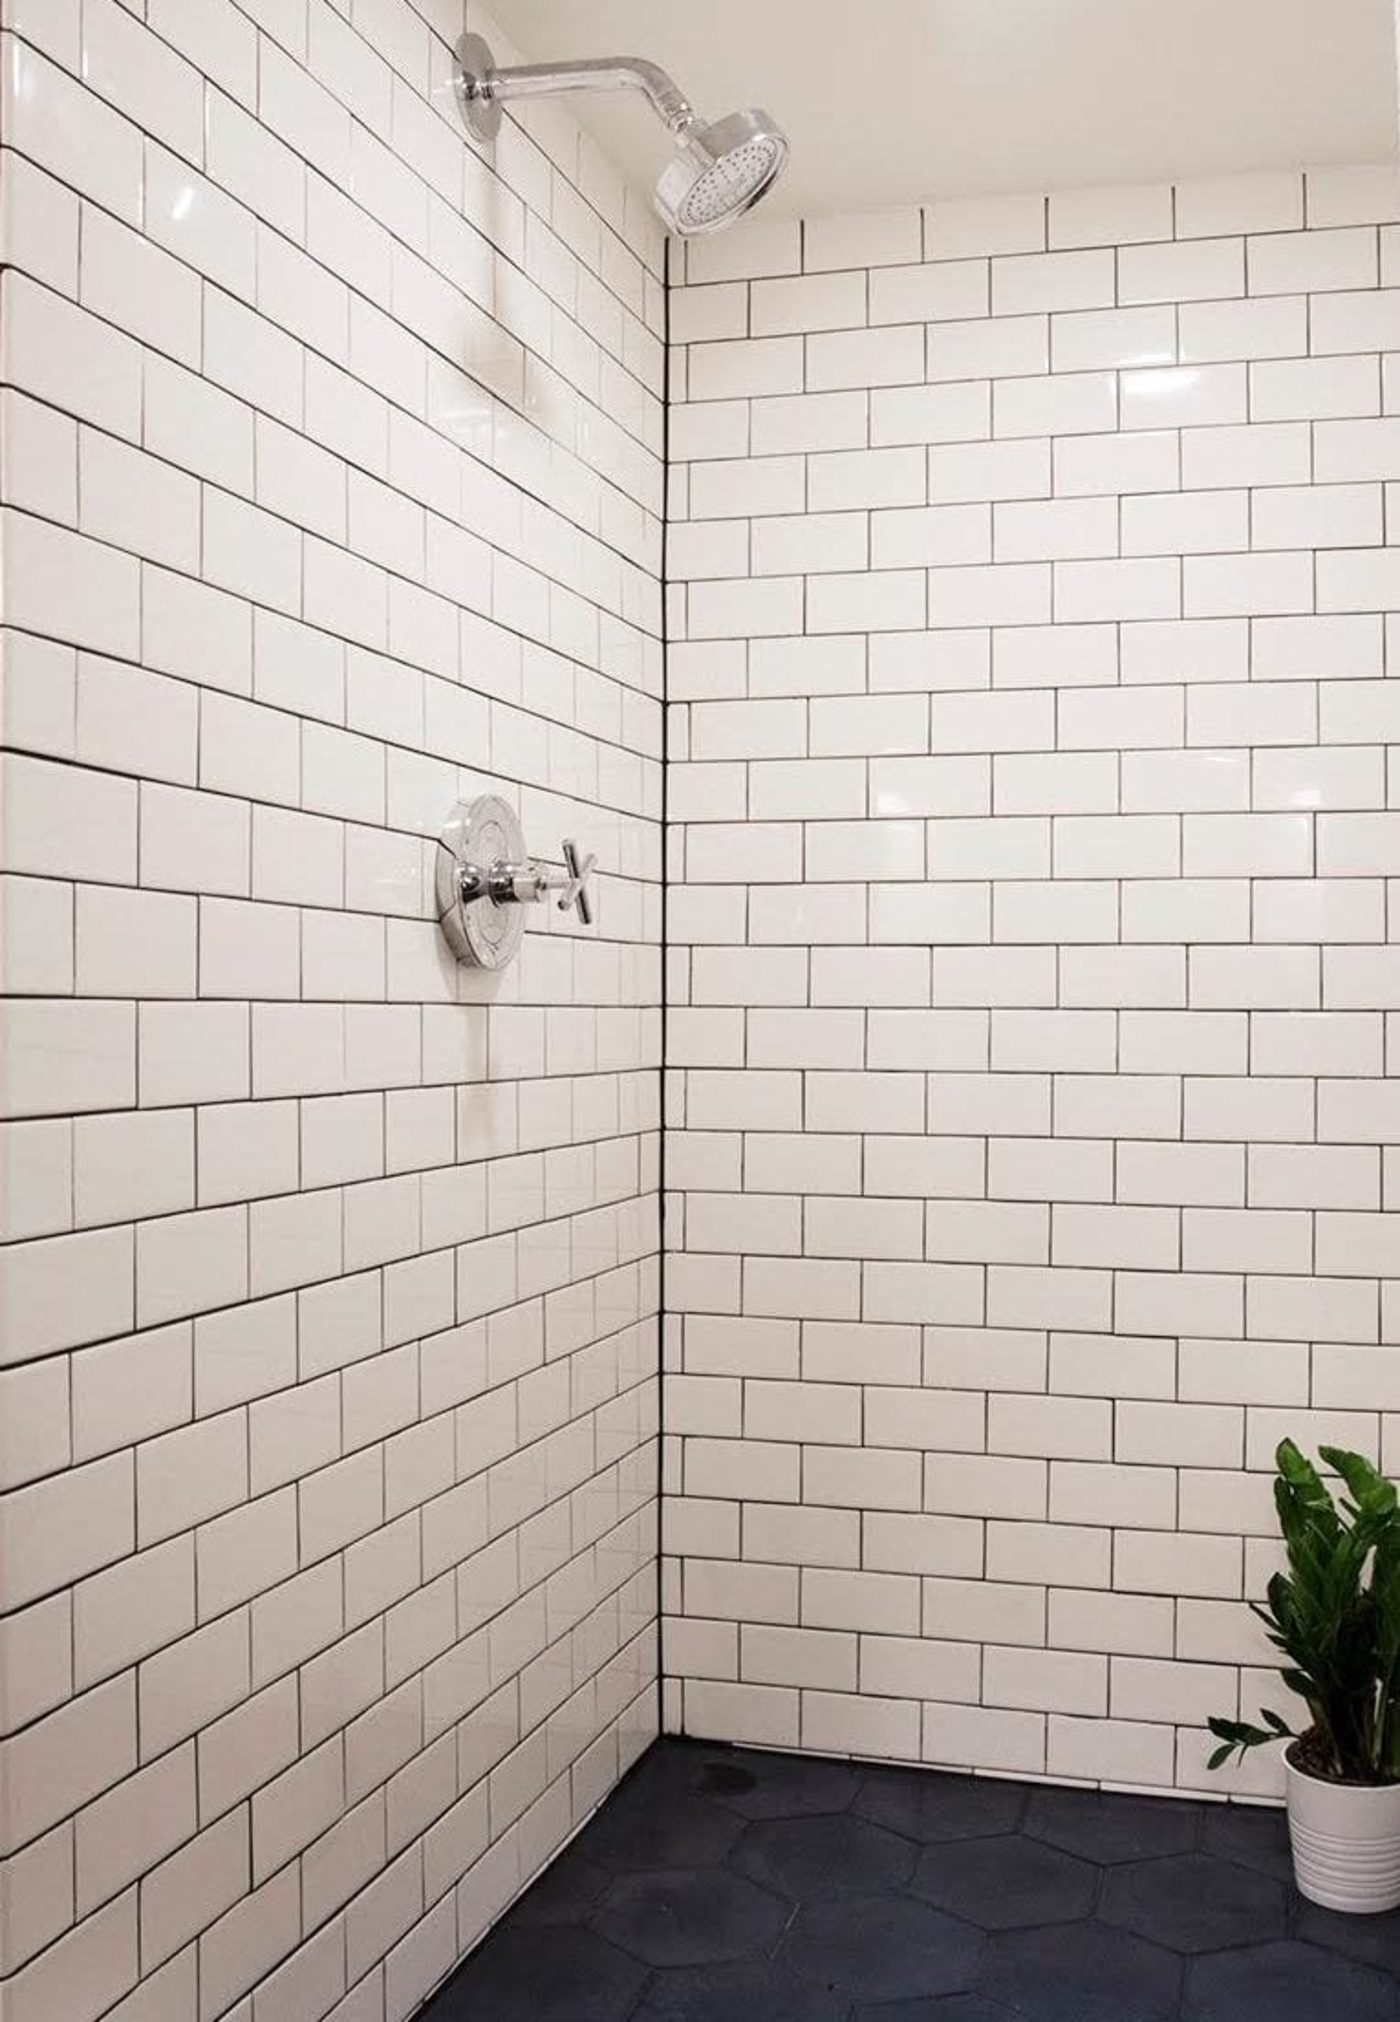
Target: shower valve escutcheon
x=511 y=884
x=485 y=880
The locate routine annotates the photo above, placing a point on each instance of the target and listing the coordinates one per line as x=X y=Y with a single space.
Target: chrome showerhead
x=721 y=171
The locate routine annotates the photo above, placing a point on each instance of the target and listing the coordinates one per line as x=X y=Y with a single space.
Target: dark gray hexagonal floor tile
x=1194 y=1902
x=813 y=1859
x=882 y=1949
x=1373 y=1941
x=942 y=2008
x=646 y=1827
x=689 y=1917
x=1005 y=1883
x=565 y=1892
x=759 y=1785
x=675 y=1763
x=1081 y=1973
x=1104 y=1826
x=927 y=1804
x=1250 y=1835
x=1288 y=1982
x=542 y=1973
x=763 y=1992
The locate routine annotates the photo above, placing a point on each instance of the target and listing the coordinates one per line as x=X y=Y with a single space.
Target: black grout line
x=664 y=1235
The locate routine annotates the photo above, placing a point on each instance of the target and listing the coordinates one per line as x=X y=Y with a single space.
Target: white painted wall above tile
x=1102 y=101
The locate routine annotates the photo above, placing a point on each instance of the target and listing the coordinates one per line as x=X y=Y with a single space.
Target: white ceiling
x=902 y=99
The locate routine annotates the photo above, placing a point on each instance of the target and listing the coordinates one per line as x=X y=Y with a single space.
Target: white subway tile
x=1317 y=516
x=1283 y=263
x=956 y=227
x=1356 y=450
x=1065 y=404
x=1099 y=337
x=873 y=239
x=1263 y=327
x=1145 y=461
x=824 y=301
x=1218 y=586
x=1194 y=270
x=879 y=601
x=1367 y=321
x=807 y=421
x=956 y=412
x=893 y=356
x=929 y=293
x=1087 y=591
x=1188 y=522
x=1310 y=389
x=1054 y=656
x=40 y=564
x=1054 y=531
x=1352 y=196
x=992 y=470
x=735 y=607
x=1111 y=215
x=930 y=536
x=1182 y=396
x=1355 y=580
x=765 y=246
x=704 y=313
x=1266 y=201
x=1005 y=594
x=861 y=478
x=1260 y=454
x=741 y=368
x=1030 y=281
x=995 y=347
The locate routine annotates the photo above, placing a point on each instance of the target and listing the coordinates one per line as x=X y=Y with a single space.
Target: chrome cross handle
x=575 y=889
x=518 y=884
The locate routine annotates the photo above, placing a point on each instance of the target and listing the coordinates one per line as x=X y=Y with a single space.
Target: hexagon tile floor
x=722 y=1885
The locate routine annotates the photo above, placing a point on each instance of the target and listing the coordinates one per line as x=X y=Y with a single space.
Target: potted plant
x=1335 y=1615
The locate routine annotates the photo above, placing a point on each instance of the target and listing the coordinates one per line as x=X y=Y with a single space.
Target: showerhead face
x=720 y=172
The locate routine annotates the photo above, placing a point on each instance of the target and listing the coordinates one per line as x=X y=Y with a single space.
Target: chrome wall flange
x=475 y=67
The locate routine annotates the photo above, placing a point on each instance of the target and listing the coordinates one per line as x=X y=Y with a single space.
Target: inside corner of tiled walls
x=332 y=469
x=1034 y=845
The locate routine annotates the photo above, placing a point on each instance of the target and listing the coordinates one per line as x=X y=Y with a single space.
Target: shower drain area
x=724 y=1885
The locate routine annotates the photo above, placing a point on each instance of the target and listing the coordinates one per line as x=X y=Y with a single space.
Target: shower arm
x=600 y=73
x=720 y=168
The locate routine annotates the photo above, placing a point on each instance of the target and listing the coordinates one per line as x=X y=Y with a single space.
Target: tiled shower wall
x=1034 y=880
x=331 y=452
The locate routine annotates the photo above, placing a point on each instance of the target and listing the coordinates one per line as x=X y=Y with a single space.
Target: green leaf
x=1370 y=1490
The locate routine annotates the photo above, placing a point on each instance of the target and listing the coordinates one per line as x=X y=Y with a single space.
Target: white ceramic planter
x=1346 y=1842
